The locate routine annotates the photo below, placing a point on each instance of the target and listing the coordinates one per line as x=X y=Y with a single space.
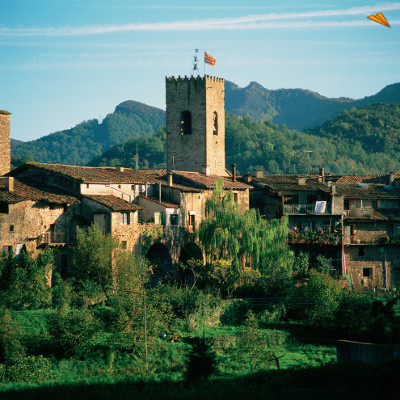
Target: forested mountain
x=340 y=145
x=150 y=151
x=90 y=139
x=249 y=144
x=297 y=108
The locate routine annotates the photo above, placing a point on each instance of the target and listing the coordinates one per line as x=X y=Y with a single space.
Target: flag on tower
x=209 y=60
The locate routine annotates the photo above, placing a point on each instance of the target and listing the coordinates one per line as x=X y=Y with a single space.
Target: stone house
x=353 y=220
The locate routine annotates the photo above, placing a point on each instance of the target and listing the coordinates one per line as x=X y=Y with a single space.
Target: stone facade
x=372 y=266
x=30 y=224
x=196 y=125
x=5 y=147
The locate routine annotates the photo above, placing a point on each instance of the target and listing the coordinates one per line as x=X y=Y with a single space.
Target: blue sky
x=65 y=61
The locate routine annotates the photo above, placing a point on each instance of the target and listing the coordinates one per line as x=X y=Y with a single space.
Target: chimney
x=391 y=178
x=234 y=172
x=159 y=192
x=333 y=189
x=322 y=173
x=206 y=171
x=259 y=173
x=10 y=183
x=247 y=178
x=119 y=168
x=301 y=181
x=169 y=179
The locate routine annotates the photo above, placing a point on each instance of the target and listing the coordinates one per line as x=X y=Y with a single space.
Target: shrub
x=32 y=369
x=201 y=362
x=73 y=331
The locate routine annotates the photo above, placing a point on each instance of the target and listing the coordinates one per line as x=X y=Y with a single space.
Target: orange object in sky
x=380 y=19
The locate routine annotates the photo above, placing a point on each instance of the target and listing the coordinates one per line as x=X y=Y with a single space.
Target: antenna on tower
x=195 y=70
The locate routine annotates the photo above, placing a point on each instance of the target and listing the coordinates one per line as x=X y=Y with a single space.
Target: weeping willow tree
x=246 y=241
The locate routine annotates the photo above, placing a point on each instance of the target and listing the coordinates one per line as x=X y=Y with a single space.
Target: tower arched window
x=186 y=123
x=215 y=123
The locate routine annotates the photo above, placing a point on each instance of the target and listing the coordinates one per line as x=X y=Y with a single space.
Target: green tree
x=236 y=243
x=93 y=260
x=321 y=296
x=73 y=331
x=201 y=360
x=24 y=280
x=253 y=345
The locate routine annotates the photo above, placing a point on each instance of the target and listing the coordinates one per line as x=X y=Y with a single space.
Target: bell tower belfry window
x=215 y=123
x=196 y=124
x=186 y=123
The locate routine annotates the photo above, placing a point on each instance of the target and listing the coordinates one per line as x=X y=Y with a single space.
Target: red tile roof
x=365 y=191
x=291 y=183
x=33 y=191
x=114 y=203
x=206 y=182
x=98 y=174
x=381 y=179
x=166 y=204
x=370 y=179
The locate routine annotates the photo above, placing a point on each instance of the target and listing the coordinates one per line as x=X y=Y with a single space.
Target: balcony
x=359 y=213
x=290 y=209
x=318 y=237
x=52 y=238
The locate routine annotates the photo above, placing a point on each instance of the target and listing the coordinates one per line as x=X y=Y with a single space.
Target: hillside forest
x=359 y=137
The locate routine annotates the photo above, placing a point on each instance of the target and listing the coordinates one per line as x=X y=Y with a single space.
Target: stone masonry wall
x=201 y=150
x=5 y=147
x=28 y=222
x=381 y=260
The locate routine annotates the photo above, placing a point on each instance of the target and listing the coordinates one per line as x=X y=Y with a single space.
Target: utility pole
x=145 y=329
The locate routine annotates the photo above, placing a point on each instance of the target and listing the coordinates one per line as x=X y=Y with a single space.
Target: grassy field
x=166 y=360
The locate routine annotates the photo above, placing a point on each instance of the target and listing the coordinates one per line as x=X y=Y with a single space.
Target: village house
x=134 y=205
x=353 y=220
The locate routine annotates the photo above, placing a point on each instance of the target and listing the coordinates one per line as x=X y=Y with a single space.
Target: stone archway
x=190 y=251
x=189 y=271
x=161 y=261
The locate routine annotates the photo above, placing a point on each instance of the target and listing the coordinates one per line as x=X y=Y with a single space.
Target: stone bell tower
x=5 y=145
x=196 y=124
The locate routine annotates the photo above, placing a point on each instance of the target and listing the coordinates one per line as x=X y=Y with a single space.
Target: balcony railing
x=319 y=237
x=359 y=213
x=306 y=209
x=53 y=238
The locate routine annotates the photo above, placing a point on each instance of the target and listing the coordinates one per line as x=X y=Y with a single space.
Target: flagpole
x=204 y=64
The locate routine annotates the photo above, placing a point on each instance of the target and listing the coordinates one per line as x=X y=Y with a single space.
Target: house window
x=11 y=228
x=87 y=186
x=192 y=219
x=119 y=186
x=125 y=218
x=4 y=208
x=361 y=251
x=367 y=273
x=173 y=219
x=236 y=197
x=215 y=123
x=124 y=244
x=186 y=123
x=158 y=218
